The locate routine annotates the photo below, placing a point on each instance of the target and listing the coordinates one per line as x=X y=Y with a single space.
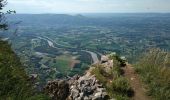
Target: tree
x=3 y=22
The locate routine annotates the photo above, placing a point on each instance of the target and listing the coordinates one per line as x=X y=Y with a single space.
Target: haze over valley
x=62 y=45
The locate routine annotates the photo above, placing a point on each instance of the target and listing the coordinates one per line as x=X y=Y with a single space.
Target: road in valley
x=93 y=55
x=51 y=44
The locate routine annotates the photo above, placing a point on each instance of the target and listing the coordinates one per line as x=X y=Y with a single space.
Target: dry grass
x=154 y=69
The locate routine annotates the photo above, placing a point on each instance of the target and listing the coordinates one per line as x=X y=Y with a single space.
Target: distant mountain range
x=87 y=19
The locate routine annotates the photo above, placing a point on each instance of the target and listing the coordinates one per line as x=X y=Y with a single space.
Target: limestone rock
x=58 y=89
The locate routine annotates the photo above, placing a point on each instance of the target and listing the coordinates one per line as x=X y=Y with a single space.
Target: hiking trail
x=135 y=82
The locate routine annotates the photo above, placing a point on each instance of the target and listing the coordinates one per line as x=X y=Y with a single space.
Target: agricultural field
x=53 y=48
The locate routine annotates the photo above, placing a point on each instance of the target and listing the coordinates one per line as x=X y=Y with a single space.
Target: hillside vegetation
x=14 y=84
x=154 y=69
x=113 y=80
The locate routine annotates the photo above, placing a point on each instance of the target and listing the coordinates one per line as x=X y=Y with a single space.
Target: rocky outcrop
x=106 y=63
x=87 y=87
x=57 y=89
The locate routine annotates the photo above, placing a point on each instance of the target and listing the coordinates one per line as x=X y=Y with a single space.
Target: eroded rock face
x=86 y=87
x=57 y=89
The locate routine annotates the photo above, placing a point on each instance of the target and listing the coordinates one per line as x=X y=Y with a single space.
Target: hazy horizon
x=92 y=13
x=88 y=6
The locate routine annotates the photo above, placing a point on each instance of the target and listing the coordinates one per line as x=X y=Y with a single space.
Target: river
x=51 y=44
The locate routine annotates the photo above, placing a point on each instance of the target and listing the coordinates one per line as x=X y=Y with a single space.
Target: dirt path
x=139 y=91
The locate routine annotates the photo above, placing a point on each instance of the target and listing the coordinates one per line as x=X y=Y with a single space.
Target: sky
x=88 y=6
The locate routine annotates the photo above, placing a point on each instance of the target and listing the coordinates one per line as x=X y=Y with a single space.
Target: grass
x=154 y=69
x=116 y=85
x=63 y=64
x=100 y=74
x=120 y=88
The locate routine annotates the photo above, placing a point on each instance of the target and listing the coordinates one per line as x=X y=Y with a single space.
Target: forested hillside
x=14 y=83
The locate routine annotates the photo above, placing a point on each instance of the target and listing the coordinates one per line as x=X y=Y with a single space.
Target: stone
x=88 y=91
x=74 y=93
x=58 y=89
x=101 y=89
x=98 y=94
x=86 y=98
x=81 y=95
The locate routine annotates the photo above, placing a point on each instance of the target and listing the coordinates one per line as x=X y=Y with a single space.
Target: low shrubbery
x=120 y=88
x=154 y=69
x=100 y=74
x=117 y=86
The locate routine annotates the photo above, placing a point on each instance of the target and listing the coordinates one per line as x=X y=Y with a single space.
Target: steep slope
x=14 y=83
x=103 y=81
